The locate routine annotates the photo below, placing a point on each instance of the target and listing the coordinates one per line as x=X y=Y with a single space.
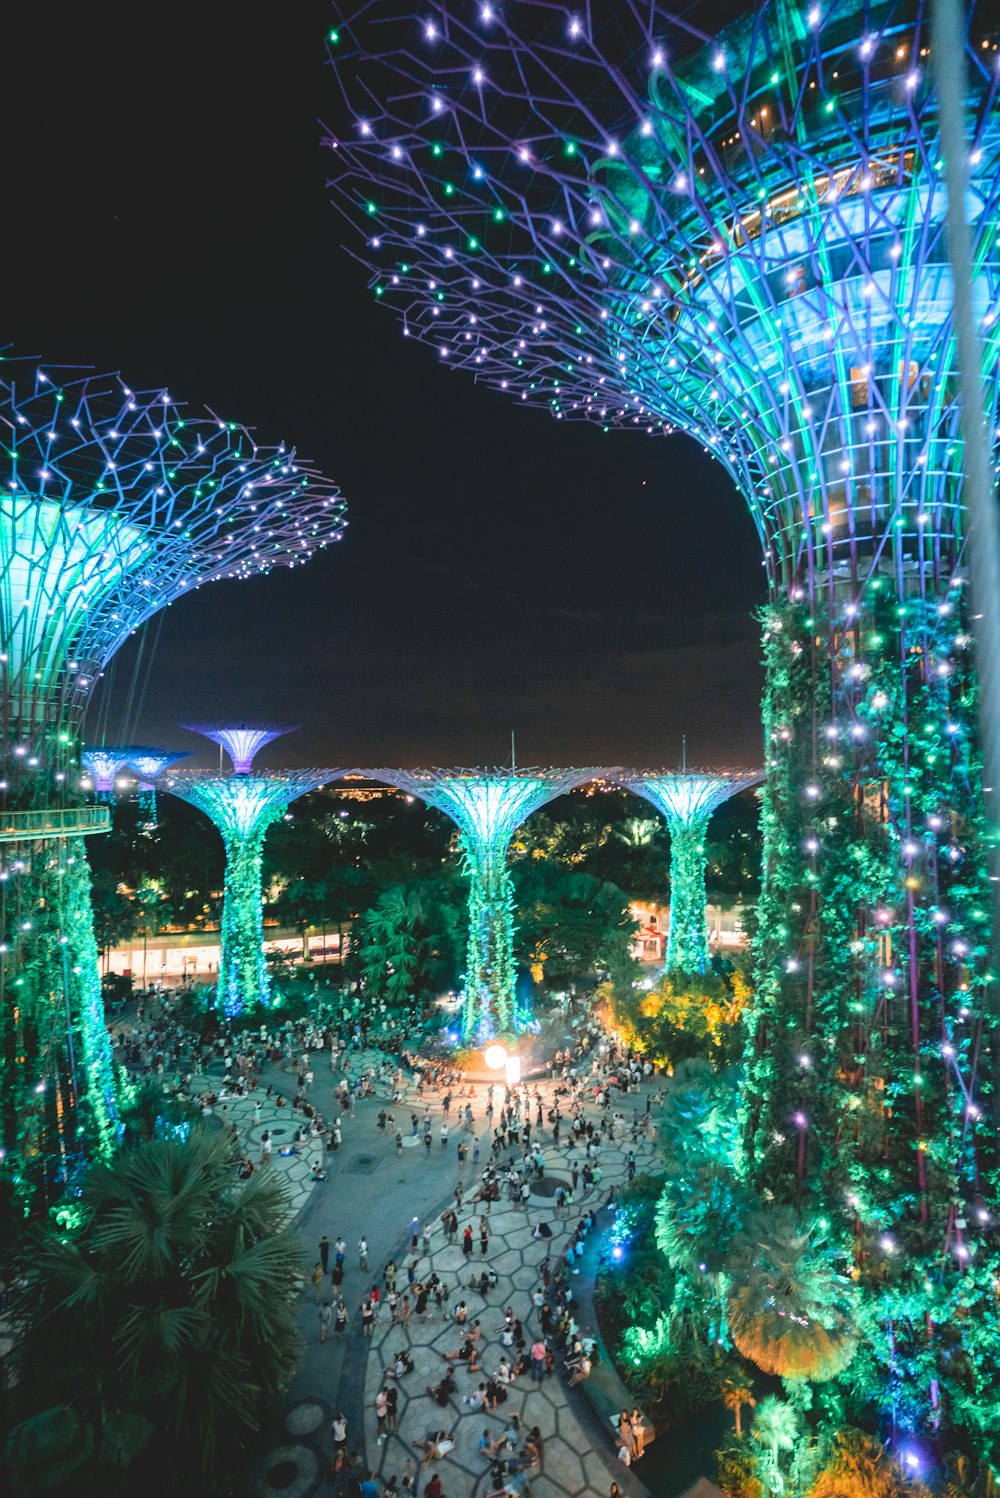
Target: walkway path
x=374 y=1192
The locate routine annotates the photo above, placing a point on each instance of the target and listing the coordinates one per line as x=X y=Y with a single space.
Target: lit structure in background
x=104 y=765
x=687 y=799
x=241 y=741
x=243 y=807
x=115 y=503
x=487 y=806
x=147 y=764
x=743 y=237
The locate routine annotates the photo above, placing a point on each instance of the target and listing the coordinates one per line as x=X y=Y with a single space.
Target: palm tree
x=160 y=1326
x=792 y=1311
x=860 y=1467
x=400 y=952
x=776 y=1427
x=737 y=1391
x=699 y=1116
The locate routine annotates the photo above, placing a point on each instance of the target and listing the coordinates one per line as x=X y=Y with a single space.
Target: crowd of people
x=589 y=1103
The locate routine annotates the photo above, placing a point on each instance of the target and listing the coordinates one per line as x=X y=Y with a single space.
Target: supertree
x=687 y=799
x=743 y=237
x=243 y=807
x=241 y=741
x=104 y=765
x=147 y=764
x=487 y=806
x=116 y=503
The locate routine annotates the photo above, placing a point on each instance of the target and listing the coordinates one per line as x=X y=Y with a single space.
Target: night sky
x=166 y=215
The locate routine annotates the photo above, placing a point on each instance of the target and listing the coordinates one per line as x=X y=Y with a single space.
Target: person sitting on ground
x=477 y=1399
x=437 y=1445
x=465 y=1353
x=442 y=1391
x=401 y=1364
x=580 y=1371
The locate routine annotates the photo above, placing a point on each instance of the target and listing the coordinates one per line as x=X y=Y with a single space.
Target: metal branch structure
x=615 y=215
x=243 y=807
x=487 y=806
x=241 y=741
x=687 y=799
x=147 y=764
x=105 y=764
x=113 y=504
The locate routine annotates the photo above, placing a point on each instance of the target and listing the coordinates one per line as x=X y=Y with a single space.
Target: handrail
x=61 y=821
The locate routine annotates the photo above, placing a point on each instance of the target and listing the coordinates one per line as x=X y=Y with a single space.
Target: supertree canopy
x=115 y=503
x=487 y=806
x=243 y=807
x=147 y=764
x=742 y=237
x=687 y=799
x=104 y=764
x=241 y=741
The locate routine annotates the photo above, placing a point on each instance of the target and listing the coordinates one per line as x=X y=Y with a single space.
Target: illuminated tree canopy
x=611 y=213
x=687 y=799
x=243 y=807
x=113 y=503
x=241 y=741
x=487 y=806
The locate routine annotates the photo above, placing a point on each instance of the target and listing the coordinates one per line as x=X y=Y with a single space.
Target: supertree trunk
x=243 y=977
x=687 y=941
x=57 y=1082
x=489 y=966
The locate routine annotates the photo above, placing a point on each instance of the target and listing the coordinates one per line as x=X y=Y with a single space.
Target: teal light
x=243 y=807
x=488 y=806
x=687 y=801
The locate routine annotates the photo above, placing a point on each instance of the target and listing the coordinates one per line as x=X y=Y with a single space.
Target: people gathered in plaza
x=509 y=1141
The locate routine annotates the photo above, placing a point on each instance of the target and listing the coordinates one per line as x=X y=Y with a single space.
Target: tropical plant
x=570 y=924
x=792 y=1310
x=966 y=1479
x=159 y=1324
x=859 y=1466
x=737 y=1391
x=699 y=1117
x=399 y=948
x=776 y=1427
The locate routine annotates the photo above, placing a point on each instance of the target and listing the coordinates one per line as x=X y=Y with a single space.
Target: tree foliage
x=158 y=1326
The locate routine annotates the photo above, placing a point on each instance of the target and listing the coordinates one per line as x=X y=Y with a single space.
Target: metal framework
x=113 y=503
x=487 y=806
x=687 y=799
x=103 y=765
x=241 y=741
x=610 y=213
x=243 y=807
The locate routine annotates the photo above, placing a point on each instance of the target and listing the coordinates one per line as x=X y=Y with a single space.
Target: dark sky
x=166 y=215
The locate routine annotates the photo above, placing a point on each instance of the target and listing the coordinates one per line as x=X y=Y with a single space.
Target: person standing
x=324 y=1253
x=325 y=1320
x=316 y=1280
x=341 y=1319
x=338 y=1430
x=363 y=1253
x=381 y=1410
x=467 y=1241
x=484 y=1236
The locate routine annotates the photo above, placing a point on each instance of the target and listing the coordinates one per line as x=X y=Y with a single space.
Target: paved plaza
x=374 y=1190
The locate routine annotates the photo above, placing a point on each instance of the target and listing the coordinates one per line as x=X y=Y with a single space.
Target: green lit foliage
x=159 y=1326
x=679 y=1016
x=792 y=1309
x=402 y=948
x=867 y=1097
x=570 y=925
x=776 y=1429
x=858 y=1465
x=57 y=1085
x=687 y=944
